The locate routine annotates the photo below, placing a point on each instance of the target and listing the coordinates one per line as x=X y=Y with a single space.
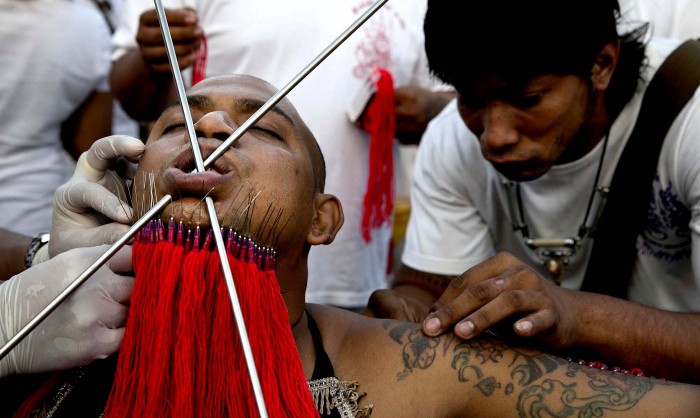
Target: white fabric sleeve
x=124 y=37
x=688 y=175
x=446 y=233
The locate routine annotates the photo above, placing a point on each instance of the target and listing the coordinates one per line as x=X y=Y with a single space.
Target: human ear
x=327 y=221
x=604 y=66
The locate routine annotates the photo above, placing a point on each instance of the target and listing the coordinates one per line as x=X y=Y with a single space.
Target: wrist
x=38 y=250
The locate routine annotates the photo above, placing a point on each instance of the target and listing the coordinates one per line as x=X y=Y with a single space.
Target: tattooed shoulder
x=542 y=384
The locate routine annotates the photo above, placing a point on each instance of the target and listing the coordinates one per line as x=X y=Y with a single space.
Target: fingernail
x=465 y=329
x=191 y=18
x=523 y=326
x=432 y=325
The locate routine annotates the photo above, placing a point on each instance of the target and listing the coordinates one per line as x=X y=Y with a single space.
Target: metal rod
x=83 y=277
x=296 y=80
x=211 y=210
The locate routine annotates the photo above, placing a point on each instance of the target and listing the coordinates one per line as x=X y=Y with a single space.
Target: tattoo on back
x=539 y=392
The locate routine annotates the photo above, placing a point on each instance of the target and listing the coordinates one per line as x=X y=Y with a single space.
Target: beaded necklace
x=556 y=253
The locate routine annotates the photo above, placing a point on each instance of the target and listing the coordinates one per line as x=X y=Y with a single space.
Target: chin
x=521 y=175
x=190 y=211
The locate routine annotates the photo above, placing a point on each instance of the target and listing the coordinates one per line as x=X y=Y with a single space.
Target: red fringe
x=379 y=121
x=181 y=320
x=199 y=68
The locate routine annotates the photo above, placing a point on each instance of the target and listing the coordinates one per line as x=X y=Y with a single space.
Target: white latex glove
x=88 y=325
x=96 y=194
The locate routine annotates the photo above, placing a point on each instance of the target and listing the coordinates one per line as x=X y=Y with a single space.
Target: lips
x=180 y=177
x=519 y=170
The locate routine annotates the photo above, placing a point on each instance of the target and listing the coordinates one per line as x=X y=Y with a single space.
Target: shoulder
x=392 y=361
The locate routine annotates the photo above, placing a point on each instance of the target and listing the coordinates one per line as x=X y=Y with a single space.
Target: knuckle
x=480 y=292
x=512 y=300
x=458 y=281
x=480 y=319
x=449 y=312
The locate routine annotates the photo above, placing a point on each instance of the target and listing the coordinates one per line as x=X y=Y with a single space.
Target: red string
x=197 y=339
x=199 y=68
x=379 y=121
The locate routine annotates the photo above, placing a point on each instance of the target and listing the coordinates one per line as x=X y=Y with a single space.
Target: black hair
x=319 y=169
x=517 y=40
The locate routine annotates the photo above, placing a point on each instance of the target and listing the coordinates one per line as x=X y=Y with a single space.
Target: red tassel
x=198 y=340
x=379 y=121
x=199 y=68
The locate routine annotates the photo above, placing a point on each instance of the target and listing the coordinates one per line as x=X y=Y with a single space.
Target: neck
x=292 y=275
x=305 y=345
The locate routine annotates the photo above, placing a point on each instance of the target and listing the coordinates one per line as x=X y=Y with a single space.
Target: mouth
x=180 y=177
x=519 y=170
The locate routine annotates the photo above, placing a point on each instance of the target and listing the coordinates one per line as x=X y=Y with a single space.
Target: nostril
x=221 y=136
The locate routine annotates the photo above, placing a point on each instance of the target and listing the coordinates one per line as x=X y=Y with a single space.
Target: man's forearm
x=661 y=343
x=13 y=249
x=143 y=94
x=424 y=287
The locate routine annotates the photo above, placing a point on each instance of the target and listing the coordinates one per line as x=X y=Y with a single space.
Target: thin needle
x=220 y=246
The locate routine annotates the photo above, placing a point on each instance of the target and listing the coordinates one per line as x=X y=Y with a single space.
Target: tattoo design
x=418 y=352
x=539 y=392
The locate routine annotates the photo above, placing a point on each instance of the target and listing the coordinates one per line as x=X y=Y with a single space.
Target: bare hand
x=186 y=34
x=504 y=288
x=414 y=107
x=387 y=303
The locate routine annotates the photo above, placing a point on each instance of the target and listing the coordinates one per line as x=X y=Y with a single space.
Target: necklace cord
x=556 y=252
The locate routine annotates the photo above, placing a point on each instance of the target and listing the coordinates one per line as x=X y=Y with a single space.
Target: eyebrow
x=251 y=105
x=197 y=101
x=243 y=105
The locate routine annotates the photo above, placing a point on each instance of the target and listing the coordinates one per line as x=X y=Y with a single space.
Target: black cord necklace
x=556 y=253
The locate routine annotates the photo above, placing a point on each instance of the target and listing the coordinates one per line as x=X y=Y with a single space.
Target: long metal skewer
x=83 y=277
x=167 y=198
x=220 y=246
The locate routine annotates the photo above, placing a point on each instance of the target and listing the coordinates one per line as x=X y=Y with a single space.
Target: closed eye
x=526 y=100
x=267 y=132
x=173 y=127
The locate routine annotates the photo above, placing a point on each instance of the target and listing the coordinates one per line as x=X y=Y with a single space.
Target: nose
x=499 y=127
x=217 y=124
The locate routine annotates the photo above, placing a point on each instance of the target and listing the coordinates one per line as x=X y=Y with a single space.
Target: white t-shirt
x=460 y=210
x=274 y=40
x=676 y=19
x=53 y=55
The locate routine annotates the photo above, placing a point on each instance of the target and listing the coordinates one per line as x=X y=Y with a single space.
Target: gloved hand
x=96 y=193
x=88 y=325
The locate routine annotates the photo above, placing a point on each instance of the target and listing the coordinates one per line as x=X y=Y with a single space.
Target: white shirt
x=460 y=210
x=676 y=19
x=53 y=55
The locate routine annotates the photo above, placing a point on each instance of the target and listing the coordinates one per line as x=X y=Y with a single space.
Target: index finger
x=176 y=17
x=105 y=151
x=485 y=270
x=468 y=292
